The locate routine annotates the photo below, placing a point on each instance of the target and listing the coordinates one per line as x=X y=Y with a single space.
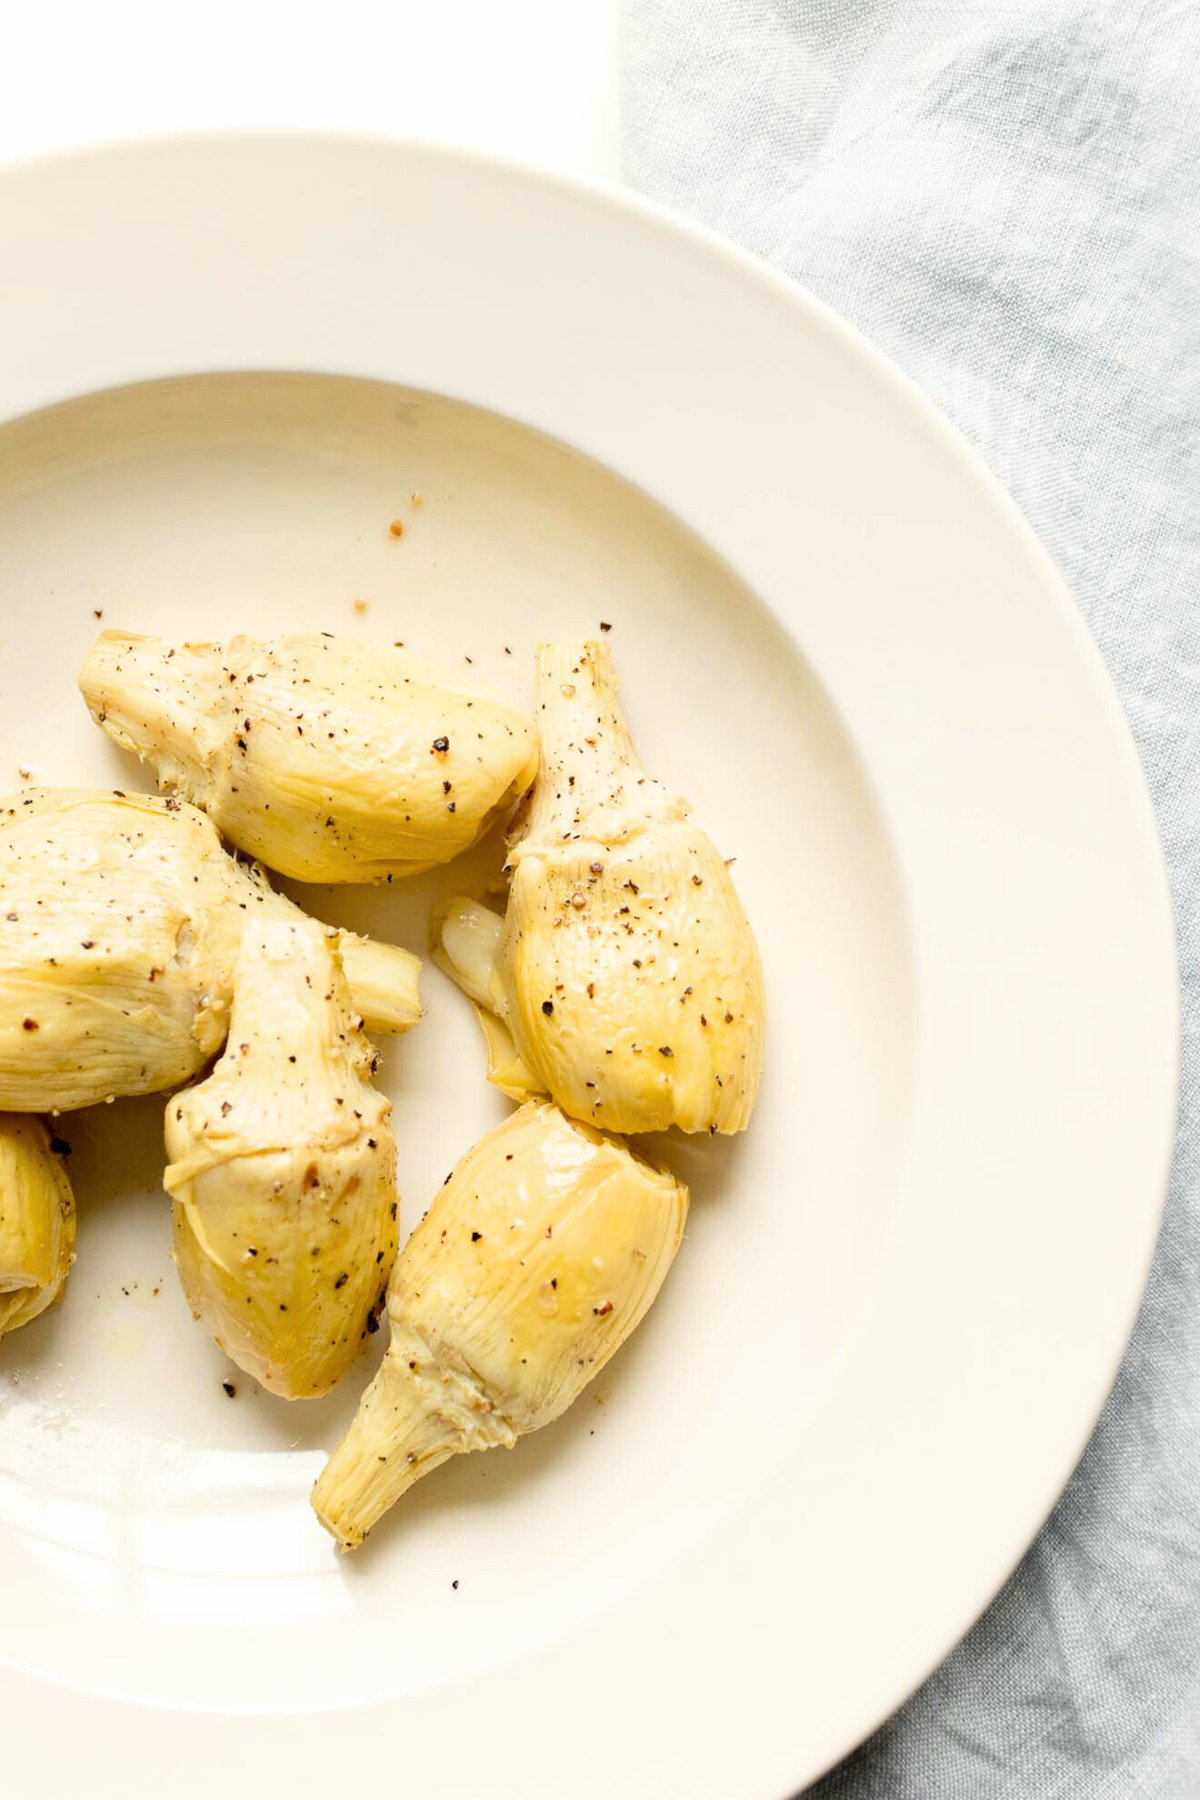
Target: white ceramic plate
x=903 y=1295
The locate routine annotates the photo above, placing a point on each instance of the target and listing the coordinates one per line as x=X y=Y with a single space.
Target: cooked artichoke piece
x=624 y=979
x=535 y=1262
x=328 y=758
x=283 y=1170
x=120 y=921
x=37 y=1221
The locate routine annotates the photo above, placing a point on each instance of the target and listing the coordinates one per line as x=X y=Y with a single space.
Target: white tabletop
x=536 y=78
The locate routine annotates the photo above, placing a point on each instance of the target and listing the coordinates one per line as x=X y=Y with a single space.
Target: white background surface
x=536 y=78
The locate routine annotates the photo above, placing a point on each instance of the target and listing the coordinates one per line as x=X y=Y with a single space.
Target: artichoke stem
x=587 y=752
x=394 y=1439
x=145 y=703
x=383 y=982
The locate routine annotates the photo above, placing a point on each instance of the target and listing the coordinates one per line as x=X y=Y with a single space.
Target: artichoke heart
x=120 y=920
x=535 y=1262
x=329 y=759
x=624 y=979
x=37 y=1221
x=283 y=1170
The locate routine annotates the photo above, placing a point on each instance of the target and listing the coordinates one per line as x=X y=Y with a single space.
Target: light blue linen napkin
x=1005 y=195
